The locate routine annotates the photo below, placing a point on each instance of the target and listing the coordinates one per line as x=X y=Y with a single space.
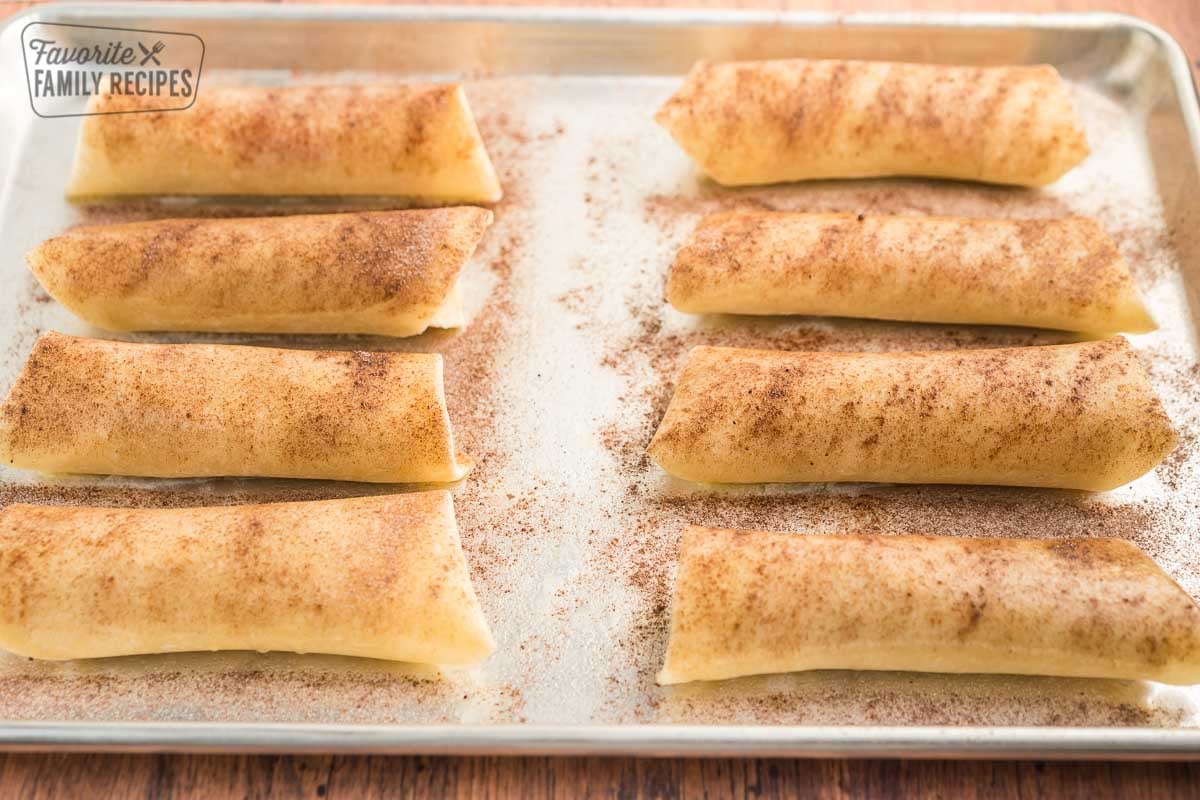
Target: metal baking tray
x=566 y=366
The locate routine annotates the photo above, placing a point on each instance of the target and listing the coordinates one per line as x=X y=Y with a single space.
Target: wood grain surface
x=341 y=777
x=170 y=776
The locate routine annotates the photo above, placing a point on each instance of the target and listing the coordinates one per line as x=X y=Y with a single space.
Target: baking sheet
x=567 y=364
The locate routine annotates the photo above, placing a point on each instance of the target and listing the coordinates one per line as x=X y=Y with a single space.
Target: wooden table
x=30 y=775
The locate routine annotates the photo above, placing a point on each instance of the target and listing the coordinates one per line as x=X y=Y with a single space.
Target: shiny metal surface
x=570 y=537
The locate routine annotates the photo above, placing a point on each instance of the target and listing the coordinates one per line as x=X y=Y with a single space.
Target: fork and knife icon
x=151 y=53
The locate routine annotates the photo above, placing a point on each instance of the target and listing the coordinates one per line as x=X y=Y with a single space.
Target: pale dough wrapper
x=1047 y=273
x=749 y=603
x=196 y=410
x=756 y=122
x=380 y=577
x=406 y=140
x=1074 y=416
x=390 y=273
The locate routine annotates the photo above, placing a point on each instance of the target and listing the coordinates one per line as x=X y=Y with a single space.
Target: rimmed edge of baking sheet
x=614 y=740
x=650 y=739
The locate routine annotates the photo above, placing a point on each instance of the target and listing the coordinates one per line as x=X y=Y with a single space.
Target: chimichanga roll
x=1074 y=416
x=748 y=603
x=1046 y=273
x=771 y=121
x=389 y=272
x=180 y=410
x=416 y=141
x=380 y=577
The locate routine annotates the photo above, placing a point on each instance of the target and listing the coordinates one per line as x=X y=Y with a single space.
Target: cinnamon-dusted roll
x=381 y=577
x=1075 y=416
x=198 y=410
x=747 y=603
x=409 y=140
x=392 y=273
x=1045 y=273
x=754 y=122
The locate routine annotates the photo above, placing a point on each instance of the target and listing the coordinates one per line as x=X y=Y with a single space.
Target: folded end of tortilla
x=483 y=184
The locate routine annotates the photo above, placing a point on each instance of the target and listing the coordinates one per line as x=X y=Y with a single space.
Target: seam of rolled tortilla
x=490 y=190
x=450 y=313
x=754 y=602
x=380 y=577
x=461 y=463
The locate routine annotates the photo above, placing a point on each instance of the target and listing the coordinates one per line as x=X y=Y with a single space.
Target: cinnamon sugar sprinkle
x=555 y=387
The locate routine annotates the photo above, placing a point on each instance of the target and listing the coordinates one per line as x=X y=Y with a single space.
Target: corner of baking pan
x=1187 y=93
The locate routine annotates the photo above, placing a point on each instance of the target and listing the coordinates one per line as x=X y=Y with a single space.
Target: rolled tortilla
x=757 y=122
x=380 y=577
x=748 y=603
x=1074 y=416
x=1046 y=273
x=417 y=141
x=391 y=272
x=179 y=410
